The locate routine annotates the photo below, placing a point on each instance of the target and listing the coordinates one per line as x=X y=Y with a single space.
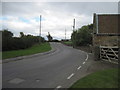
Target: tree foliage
x=82 y=36
x=14 y=43
x=49 y=37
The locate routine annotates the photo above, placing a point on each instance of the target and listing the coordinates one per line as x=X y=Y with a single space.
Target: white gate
x=109 y=54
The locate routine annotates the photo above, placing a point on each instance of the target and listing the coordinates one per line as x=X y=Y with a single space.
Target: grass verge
x=101 y=79
x=32 y=50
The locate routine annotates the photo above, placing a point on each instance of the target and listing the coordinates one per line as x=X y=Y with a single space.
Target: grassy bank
x=102 y=79
x=34 y=49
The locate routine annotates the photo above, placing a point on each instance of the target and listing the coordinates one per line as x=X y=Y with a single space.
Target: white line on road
x=70 y=76
x=79 y=67
x=58 y=87
x=86 y=58
x=83 y=62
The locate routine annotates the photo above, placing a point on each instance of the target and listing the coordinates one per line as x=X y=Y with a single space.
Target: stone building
x=106 y=32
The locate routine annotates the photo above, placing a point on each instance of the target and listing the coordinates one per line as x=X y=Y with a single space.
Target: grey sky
x=21 y=16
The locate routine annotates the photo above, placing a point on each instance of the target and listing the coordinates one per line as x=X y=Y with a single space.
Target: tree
x=49 y=37
x=74 y=38
x=7 y=40
x=22 y=34
x=7 y=34
x=82 y=36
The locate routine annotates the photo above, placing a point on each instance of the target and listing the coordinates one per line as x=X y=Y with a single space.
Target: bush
x=14 y=43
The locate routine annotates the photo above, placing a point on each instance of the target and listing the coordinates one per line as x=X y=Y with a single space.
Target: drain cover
x=16 y=81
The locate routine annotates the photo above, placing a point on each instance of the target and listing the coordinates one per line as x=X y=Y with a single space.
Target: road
x=59 y=69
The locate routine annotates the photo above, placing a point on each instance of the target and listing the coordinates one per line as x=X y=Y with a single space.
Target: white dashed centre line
x=58 y=87
x=86 y=58
x=70 y=76
x=79 y=67
x=83 y=62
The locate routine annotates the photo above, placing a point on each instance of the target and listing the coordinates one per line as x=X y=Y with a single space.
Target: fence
x=109 y=54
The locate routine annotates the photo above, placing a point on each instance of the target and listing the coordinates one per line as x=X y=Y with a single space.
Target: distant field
x=102 y=79
x=34 y=49
x=68 y=42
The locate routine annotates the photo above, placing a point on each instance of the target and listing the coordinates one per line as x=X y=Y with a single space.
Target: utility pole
x=40 y=30
x=65 y=34
x=73 y=24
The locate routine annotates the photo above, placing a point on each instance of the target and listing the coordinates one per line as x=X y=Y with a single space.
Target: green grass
x=34 y=49
x=68 y=42
x=0 y=55
x=102 y=79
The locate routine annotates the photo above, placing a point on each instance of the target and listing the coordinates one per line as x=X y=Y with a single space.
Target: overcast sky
x=56 y=16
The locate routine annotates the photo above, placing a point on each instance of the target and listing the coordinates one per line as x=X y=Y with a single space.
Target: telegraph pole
x=65 y=34
x=73 y=29
x=73 y=24
x=40 y=30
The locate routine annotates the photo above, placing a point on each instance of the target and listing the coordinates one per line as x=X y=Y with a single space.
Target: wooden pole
x=40 y=30
x=65 y=34
x=73 y=24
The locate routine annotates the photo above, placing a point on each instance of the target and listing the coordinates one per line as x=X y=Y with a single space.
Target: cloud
x=56 y=16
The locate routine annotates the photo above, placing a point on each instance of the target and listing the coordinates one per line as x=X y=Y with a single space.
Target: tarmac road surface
x=59 y=69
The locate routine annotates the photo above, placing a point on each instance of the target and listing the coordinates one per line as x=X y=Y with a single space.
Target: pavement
x=58 y=69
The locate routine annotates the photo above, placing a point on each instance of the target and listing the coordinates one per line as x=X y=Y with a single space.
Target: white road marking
x=86 y=58
x=58 y=87
x=70 y=76
x=79 y=67
x=83 y=62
